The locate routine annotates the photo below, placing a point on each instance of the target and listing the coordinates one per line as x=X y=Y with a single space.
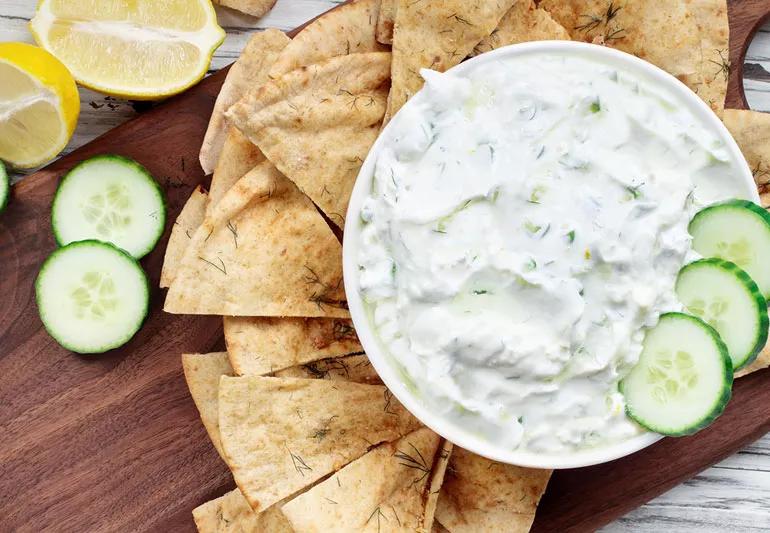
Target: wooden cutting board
x=114 y=443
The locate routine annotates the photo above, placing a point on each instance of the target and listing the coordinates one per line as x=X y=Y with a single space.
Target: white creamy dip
x=526 y=222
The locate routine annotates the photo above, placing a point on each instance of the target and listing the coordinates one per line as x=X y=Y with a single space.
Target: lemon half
x=138 y=49
x=39 y=105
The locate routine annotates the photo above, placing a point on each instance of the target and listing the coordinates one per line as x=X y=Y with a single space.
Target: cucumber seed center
x=671 y=375
x=95 y=296
x=109 y=212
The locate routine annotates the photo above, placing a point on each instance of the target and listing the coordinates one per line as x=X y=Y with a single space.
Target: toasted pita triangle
x=354 y=368
x=255 y=8
x=317 y=124
x=231 y=513
x=348 y=29
x=385 y=21
x=202 y=373
x=751 y=130
x=693 y=47
x=260 y=345
x=384 y=490
x=436 y=34
x=522 y=23
x=282 y=434
x=238 y=157
x=182 y=231
x=265 y=251
x=249 y=70
x=483 y=496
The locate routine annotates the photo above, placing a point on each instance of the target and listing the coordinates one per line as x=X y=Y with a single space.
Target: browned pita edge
x=386 y=21
x=182 y=231
x=387 y=488
x=355 y=368
x=437 y=474
x=436 y=34
x=483 y=496
x=324 y=425
x=316 y=124
x=259 y=345
x=522 y=23
x=264 y=251
x=694 y=47
x=231 y=513
x=348 y=29
x=249 y=70
x=202 y=373
x=255 y=8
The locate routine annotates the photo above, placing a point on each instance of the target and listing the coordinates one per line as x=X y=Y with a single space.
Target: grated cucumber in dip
x=526 y=222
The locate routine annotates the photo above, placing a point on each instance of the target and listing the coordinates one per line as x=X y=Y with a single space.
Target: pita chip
x=522 y=23
x=483 y=496
x=231 y=513
x=348 y=29
x=751 y=130
x=316 y=124
x=182 y=231
x=385 y=21
x=255 y=8
x=265 y=251
x=355 y=368
x=238 y=157
x=248 y=71
x=385 y=490
x=260 y=345
x=282 y=434
x=202 y=373
x=436 y=34
x=694 y=47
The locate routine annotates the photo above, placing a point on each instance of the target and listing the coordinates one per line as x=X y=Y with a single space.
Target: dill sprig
x=592 y=22
x=234 y=230
x=299 y=463
x=723 y=65
x=221 y=268
x=324 y=294
x=417 y=462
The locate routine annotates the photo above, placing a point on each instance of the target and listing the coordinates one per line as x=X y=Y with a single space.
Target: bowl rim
x=378 y=354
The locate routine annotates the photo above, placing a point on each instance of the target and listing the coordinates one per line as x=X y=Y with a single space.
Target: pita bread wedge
x=282 y=434
x=316 y=124
x=355 y=368
x=249 y=71
x=238 y=157
x=182 y=231
x=694 y=47
x=523 y=22
x=483 y=496
x=202 y=373
x=255 y=8
x=436 y=34
x=751 y=130
x=383 y=491
x=260 y=345
x=385 y=21
x=348 y=29
x=265 y=251
x=231 y=513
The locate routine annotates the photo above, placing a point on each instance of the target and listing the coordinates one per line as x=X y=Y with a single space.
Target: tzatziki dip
x=526 y=223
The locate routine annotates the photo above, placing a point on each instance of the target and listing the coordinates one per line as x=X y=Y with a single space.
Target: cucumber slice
x=737 y=231
x=92 y=297
x=5 y=187
x=683 y=379
x=109 y=198
x=727 y=299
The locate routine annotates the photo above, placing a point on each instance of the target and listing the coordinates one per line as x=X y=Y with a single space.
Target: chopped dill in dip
x=526 y=222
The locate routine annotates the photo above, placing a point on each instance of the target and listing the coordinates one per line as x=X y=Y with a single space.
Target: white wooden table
x=732 y=496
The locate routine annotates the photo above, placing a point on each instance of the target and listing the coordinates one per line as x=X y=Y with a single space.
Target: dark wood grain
x=114 y=443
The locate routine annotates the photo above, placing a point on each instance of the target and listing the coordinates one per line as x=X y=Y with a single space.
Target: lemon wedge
x=142 y=49
x=39 y=105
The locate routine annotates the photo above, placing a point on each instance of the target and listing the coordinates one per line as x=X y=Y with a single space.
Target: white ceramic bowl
x=381 y=359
